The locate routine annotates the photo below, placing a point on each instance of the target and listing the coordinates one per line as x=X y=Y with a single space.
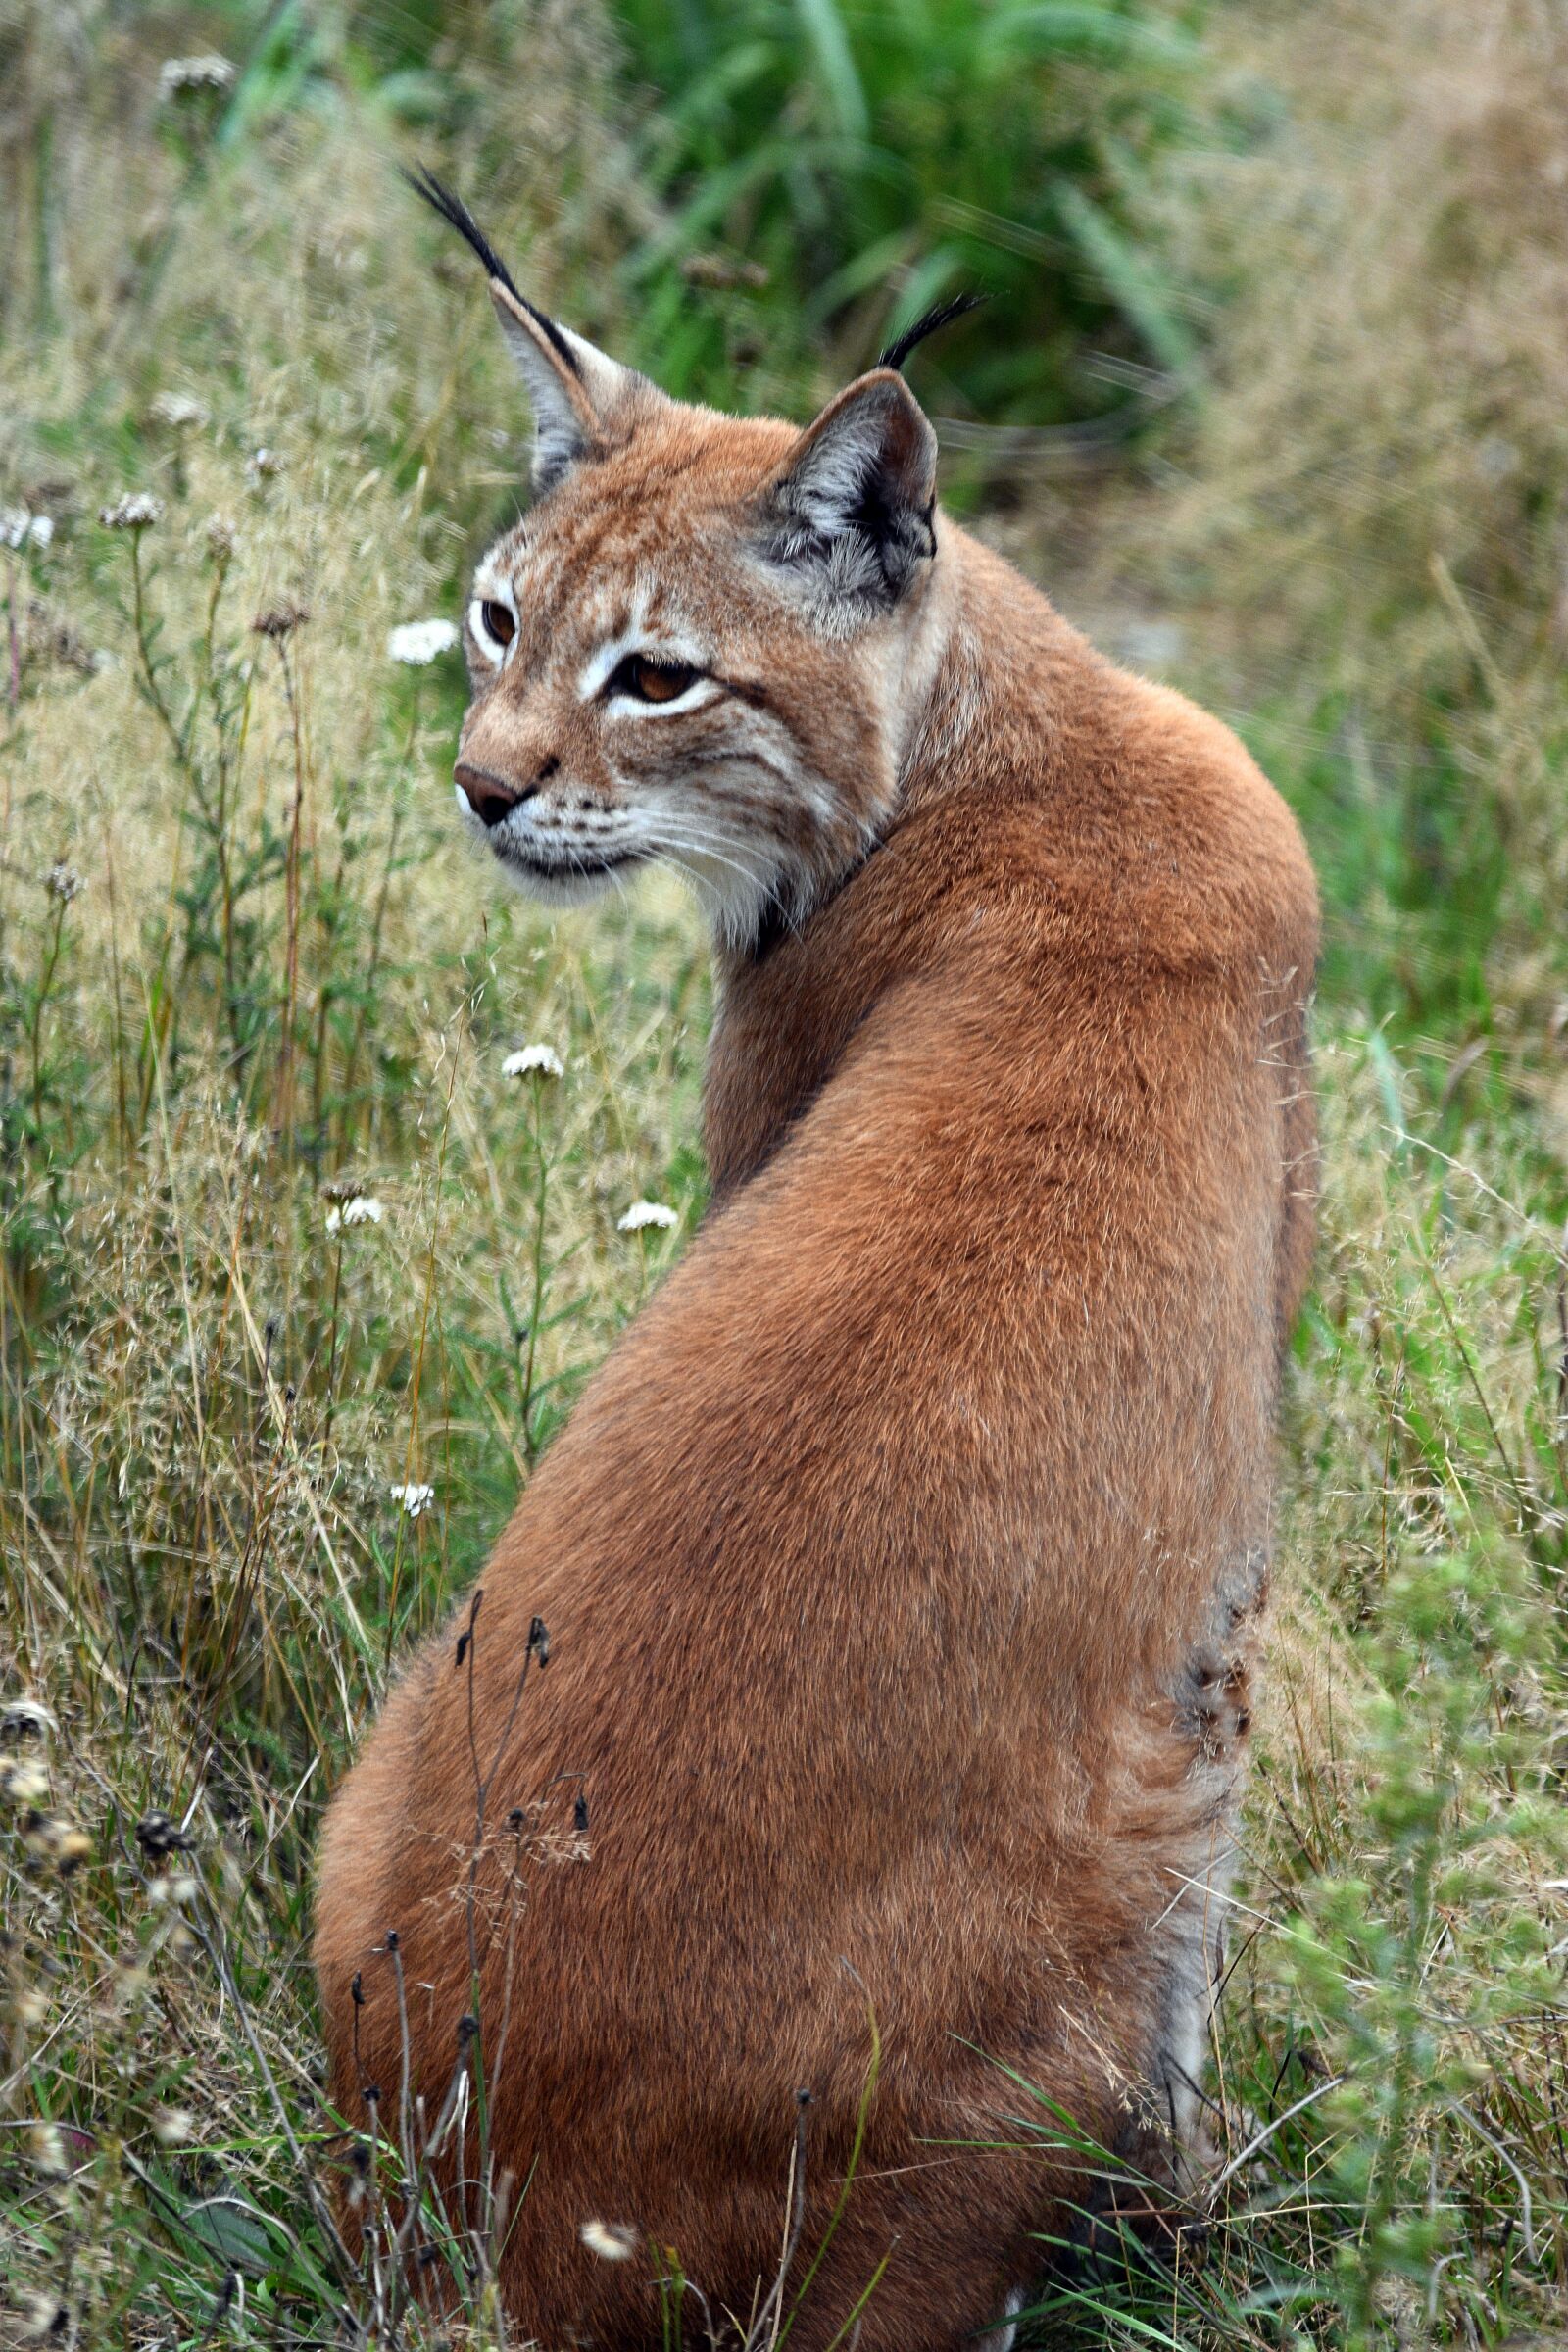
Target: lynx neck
x=967 y=712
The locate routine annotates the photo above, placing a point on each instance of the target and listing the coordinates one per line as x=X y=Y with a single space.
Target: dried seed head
x=173 y=2126
x=47 y=2148
x=61 y=881
x=55 y=1837
x=719 y=273
x=280 y=621
x=72 y=1846
x=159 y=1834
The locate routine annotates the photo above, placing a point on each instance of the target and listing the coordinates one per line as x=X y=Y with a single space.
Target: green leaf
x=234 y=2232
x=1071 y=28
x=1127 y=278
x=824 y=29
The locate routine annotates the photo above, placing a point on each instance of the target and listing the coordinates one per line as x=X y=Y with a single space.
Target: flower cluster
x=61 y=881
x=138 y=510
x=177 y=74
x=178 y=412
x=418 y=642
x=643 y=1213
x=528 y=1060
x=355 y=1208
x=19 y=528
x=416 y=1501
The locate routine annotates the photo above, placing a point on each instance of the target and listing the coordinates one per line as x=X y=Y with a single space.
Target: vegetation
x=1271 y=394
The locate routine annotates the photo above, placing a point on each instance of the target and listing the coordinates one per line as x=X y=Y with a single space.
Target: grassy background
x=1270 y=396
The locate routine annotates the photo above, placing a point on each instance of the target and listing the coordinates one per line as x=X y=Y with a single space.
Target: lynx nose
x=488 y=796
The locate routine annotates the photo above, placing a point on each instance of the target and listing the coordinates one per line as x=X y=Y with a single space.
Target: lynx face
x=697 y=645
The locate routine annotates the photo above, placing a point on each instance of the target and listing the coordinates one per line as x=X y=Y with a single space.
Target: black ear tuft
x=452 y=208
x=929 y=324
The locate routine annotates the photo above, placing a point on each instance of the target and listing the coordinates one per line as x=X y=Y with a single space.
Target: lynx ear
x=573 y=388
x=850 y=508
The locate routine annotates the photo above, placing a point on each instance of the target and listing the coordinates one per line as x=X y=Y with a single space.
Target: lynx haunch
x=902 y=1565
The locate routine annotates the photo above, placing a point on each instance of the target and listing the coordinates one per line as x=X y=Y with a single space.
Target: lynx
x=902 y=1565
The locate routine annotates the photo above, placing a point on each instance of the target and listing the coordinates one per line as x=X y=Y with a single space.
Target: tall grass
x=835 y=171
x=254 y=1436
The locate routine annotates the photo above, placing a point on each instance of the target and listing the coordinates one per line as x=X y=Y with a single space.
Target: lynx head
x=705 y=641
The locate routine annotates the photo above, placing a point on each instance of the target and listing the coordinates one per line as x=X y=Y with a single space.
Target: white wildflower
x=361 y=1209
x=20 y=528
x=643 y=1213
x=418 y=642
x=43 y=2314
x=543 y=1059
x=177 y=74
x=132 y=512
x=25 y=1718
x=415 y=1501
x=612 y=2242
x=61 y=881
x=178 y=412
x=15 y=524
x=24 y=1785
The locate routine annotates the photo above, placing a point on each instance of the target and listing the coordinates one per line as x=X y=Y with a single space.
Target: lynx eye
x=649 y=681
x=494 y=625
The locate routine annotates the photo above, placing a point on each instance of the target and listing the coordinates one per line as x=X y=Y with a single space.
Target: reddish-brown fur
x=901 y=1564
